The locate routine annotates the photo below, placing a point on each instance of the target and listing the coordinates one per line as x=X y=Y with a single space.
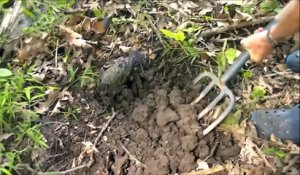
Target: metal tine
x=211 y=105
x=205 y=74
x=203 y=93
x=224 y=114
x=208 y=87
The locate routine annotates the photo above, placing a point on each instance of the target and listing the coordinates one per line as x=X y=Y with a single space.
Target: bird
x=113 y=79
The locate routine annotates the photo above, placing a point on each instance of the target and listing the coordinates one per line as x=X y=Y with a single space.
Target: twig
x=212 y=151
x=212 y=170
x=105 y=126
x=291 y=163
x=74 y=169
x=131 y=157
x=264 y=159
x=154 y=28
x=218 y=30
x=56 y=51
x=11 y=17
x=87 y=165
x=222 y=40
x=68 y=12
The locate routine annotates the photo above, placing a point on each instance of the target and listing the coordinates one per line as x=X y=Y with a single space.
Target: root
x=132 y=157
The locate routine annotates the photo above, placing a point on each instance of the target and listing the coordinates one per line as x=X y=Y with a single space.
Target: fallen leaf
x=44 y=106
x=74 y=20
x=74 y=38
x=66 y=96
x=56 y=108
x=248 y=152
x=125 y=49
x=206 y=10
x=232 y=2
x=202 y=165
x=5 y=136
x=263 y=82
x=32 y=47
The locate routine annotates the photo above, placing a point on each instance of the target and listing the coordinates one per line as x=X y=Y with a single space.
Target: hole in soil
x=162 y=133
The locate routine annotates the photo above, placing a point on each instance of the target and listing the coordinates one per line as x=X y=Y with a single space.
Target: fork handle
x=240 y=61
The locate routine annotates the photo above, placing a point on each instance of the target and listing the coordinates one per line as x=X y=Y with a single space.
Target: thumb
x=244 y=43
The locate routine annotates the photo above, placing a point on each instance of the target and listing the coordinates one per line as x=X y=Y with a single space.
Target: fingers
x=259 y=30
x=255 y=56
x=244 y=43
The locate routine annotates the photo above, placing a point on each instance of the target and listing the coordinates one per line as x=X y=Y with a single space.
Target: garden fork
x=224 y=90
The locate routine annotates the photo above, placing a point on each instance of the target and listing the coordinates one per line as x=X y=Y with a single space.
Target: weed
x=182 y=44
x=268 y=6
x=226 y=57
x=72 y=113
x=247 y=74
x=275 y=151
x=44 y=14
x=18 y=91
x=258 y=93
x=88 y=76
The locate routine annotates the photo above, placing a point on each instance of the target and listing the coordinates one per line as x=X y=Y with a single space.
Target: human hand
x=257 y=45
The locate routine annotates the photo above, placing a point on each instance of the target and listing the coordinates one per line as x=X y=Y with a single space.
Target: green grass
x=18 y=92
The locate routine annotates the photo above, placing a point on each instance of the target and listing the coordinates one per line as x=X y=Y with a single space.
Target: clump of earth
x=157 y=126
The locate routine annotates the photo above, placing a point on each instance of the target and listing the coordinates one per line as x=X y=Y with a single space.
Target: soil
x=157 y=126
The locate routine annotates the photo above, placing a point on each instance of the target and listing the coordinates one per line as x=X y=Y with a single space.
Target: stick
x=212 y=151
x=212 y=170
x=131 y=157
x=87 y=165
x=105 y=126
x=154 y=28
x=264 y=159
x=11 y=17
x=291 y=163
x=218 y=30
x=226 y=39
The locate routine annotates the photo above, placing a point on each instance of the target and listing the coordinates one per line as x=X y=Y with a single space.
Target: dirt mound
x=163 y=133
x=155 y=131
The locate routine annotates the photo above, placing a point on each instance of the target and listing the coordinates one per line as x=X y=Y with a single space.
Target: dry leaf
x=75 y=38
x=74 y=20
x=202 y=165
x=31 y=48
x=44 y=106
x=263 y=82
x=5 y=136
x=98 y=27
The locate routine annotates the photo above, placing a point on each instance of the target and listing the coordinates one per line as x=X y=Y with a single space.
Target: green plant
x=247 y=74
x=18 y=91
x=258 y=93
x=9 y=160
x=88 y=76
x=268 y=6
x=275 y=151
x=182 y=43
x=225 y=57
x=45 y=14
x=72 y=112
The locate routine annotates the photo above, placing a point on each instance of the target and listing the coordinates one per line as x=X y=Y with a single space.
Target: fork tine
x=199 y=77
x=203 y=93
x=211 y=105
x=223 y=115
